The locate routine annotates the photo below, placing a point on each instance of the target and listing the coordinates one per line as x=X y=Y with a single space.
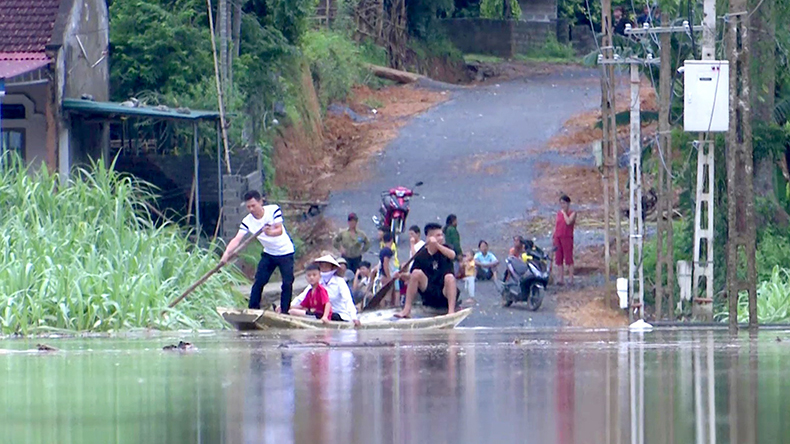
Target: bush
x=495 y=9
x=87 y=257
x=553 y=50
x=335 y=64
x=773 y=300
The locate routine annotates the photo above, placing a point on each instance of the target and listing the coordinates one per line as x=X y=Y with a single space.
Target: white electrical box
x=706 y=96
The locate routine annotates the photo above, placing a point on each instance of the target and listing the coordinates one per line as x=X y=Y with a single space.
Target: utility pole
x=636 y=278
x=609 y=148
x=664 y=236
x=741 y=242
x=703 y=214
x=636 y=275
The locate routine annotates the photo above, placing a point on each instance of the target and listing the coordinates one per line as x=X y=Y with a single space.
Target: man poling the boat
x=278 y=249
x=339 y=293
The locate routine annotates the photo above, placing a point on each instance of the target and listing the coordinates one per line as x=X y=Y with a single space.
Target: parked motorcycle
x=395 y=209
x=527 y=277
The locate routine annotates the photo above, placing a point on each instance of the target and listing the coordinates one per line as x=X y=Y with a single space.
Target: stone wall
x=233 y=210
x=502 y=38
x=538 y=10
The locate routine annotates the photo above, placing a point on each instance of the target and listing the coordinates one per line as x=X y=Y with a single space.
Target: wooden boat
x=421 y=319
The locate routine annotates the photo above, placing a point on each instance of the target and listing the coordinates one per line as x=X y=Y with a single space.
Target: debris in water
x=640 y=325
x=182 y=346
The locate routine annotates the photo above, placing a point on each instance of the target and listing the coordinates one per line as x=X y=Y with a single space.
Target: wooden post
x=607 y=105
x=664 y=235
x=741 y=242
x=196 y=150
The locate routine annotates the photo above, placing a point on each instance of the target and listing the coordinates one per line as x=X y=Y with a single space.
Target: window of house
x=12 y=140
x=9 y=111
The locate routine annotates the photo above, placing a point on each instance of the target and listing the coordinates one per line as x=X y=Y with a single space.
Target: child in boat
x=316 y=303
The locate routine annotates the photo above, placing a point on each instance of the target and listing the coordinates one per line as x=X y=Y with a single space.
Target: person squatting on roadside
x=485 y=262
x=278 y=249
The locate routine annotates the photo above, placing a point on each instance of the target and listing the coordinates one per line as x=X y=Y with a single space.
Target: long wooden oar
x=376 y=300
x=219 y=266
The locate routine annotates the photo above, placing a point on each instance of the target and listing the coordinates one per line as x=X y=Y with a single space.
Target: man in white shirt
x=278 y=249
x=339 y=293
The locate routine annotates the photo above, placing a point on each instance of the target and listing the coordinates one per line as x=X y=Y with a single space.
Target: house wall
x=34 y=125
x=502 y=38
x=84 y=59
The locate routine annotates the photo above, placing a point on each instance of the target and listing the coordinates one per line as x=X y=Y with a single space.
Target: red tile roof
x=26 y=25
x=14 y=64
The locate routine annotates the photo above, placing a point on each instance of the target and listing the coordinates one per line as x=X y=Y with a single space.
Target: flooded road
x=462 y=386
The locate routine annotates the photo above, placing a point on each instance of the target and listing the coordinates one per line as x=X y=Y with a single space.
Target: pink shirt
x=561 y=229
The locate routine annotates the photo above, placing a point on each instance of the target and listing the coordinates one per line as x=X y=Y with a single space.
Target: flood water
x=461 y=386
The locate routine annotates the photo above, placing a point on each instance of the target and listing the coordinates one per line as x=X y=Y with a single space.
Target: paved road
x=476 y=154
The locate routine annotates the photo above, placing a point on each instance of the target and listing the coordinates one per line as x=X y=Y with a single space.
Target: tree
x=155 y=46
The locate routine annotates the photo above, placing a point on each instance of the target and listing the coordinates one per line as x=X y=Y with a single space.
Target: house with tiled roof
x=51 y=51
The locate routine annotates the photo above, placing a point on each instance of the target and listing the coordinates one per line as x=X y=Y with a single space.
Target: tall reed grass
x=773 y=300
x=87 y=257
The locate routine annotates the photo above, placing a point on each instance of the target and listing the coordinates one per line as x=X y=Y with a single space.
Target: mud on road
x=478 y=154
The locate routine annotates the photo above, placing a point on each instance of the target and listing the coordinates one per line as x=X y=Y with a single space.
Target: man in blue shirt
x=486 y=262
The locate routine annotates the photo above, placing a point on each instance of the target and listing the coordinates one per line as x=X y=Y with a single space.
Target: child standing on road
x=470 y=271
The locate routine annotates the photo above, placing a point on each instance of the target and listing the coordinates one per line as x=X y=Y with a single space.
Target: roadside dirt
x=582 y=304
x=486 y=73
x=310 y=167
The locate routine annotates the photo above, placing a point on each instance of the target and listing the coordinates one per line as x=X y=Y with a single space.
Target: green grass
x=551 y=51
x=773 y=300
x=87 y=257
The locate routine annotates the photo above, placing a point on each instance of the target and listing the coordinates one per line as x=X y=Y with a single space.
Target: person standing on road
x=563 y=239
x=352 y=243
x=415 y=241
x=453 y=239
x=390 y=243
x=278 y=249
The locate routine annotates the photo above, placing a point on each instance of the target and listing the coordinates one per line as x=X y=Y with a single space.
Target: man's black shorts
x=433 y=296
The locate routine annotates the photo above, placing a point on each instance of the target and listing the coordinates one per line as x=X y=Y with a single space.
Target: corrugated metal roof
x=112 y=109
x=17 y=63
x=26 y=25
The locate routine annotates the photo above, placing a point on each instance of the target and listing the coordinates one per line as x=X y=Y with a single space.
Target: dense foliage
x=88 y=257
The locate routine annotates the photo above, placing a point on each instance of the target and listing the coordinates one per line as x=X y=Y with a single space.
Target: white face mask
x=326 y=276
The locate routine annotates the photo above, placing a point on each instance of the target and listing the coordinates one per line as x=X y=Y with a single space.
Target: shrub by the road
x=87 y=257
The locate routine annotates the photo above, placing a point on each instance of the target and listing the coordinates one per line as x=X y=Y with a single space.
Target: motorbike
x=394 y=210
x=527 y=277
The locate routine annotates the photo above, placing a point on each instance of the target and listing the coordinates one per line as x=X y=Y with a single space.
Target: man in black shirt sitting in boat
x=432 y=274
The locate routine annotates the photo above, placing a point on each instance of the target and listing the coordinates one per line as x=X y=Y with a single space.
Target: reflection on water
x=463 y=386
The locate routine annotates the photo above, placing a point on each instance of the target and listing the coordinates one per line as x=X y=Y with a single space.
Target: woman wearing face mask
x=339 y=293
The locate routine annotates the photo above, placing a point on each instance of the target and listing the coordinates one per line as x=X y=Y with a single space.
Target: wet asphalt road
x=476 y=154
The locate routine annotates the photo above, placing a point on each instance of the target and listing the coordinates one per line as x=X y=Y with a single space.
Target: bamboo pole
x=219 y=89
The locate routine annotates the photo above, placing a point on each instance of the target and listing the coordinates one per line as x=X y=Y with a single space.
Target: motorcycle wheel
x=535 y=298
x=396 y=227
